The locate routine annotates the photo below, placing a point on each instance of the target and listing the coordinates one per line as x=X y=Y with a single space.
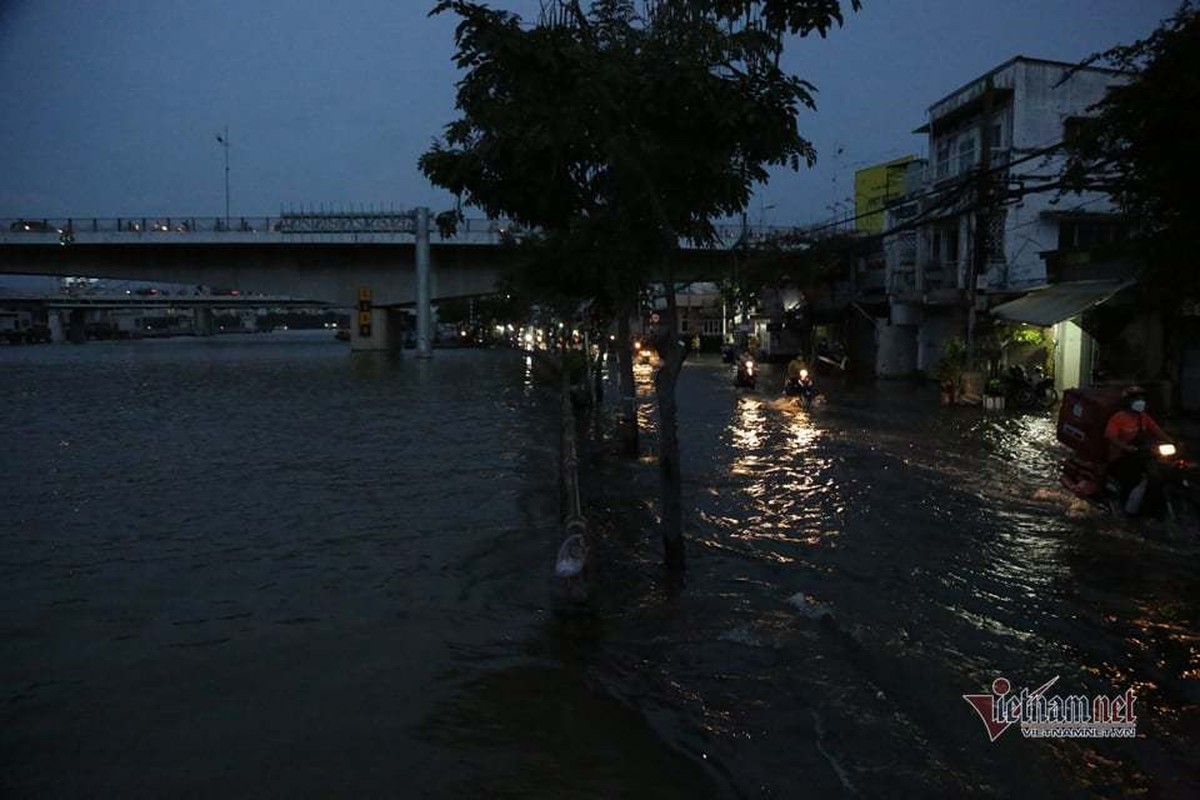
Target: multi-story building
x=977 y=230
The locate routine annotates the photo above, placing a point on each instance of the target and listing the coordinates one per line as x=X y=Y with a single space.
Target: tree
x=1140 y=147
x=621 y=129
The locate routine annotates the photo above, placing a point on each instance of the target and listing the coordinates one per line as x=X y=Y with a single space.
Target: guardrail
x=319 y=224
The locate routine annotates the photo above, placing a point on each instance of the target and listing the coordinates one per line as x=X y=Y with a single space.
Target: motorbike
x=1173 y=487
x=802 y=388
x=747 y=374
x=1029 y=388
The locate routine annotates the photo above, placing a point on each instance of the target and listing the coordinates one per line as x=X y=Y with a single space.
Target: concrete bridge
x=377 y=262
x=67 y=316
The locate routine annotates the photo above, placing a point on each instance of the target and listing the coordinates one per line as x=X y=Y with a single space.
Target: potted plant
x=993 y=395
x=950 y=370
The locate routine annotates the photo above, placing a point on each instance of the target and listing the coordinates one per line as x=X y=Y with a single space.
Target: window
x=1072 y=128
x=943 y=158
x=966 y=154
x=995 y=131
x=995 y=237
x=950 y=242
x=997 y=148
x=1086 y=234
x=943 y=247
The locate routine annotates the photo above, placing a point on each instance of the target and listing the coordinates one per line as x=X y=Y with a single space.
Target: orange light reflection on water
x=780 y=468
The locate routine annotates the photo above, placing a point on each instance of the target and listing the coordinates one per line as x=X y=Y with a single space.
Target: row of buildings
x=976 y=242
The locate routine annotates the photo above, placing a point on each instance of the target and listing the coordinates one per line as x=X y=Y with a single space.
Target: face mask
x=1138 y=406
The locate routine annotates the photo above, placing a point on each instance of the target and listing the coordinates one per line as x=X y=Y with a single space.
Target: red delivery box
x=1082 y=418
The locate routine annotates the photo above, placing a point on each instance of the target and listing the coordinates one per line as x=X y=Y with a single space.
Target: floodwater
x=258 y=565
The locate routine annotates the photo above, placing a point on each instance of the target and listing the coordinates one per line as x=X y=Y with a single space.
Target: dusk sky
x=111 y=108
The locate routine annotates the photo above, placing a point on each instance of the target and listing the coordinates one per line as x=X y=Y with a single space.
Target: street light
x=762 y=215
x=224 y=141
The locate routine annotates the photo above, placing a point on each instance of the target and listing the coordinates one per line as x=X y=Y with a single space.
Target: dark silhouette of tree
x=1140 y=147
x=617 y=131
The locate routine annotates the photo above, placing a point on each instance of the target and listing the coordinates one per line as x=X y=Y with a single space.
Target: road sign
x=364 y=311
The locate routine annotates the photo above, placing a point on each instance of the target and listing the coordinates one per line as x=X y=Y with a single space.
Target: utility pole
x=224 y=140
x=981 y=249
x=424 y=316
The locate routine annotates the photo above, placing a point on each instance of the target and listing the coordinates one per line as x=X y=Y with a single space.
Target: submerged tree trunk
x=672 y=352
x=598 y=369
x=627 y=424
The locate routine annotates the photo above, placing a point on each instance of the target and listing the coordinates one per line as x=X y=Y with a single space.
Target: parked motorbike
x=802 y=388
x=1030 y=388
x=747 y=374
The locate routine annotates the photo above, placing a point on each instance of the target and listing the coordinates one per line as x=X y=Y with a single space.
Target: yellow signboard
x=874 y=187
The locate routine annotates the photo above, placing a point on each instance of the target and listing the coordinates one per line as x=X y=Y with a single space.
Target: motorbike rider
x=797 y=370
x=795 y=367
x=744 y=376
x=1130 y=432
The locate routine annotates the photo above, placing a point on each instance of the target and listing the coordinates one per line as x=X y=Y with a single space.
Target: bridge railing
x=366 y=226
x=308 y=225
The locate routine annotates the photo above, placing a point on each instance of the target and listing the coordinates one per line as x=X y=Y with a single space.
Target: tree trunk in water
x=668 y=457
x=672 y=352
x=598 y=372
x=627 y=424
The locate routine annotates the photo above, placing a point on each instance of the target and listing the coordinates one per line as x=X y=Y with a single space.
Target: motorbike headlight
x=803 y=374
x=1166 y=450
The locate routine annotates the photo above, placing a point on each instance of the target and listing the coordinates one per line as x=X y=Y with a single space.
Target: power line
x=958 y=187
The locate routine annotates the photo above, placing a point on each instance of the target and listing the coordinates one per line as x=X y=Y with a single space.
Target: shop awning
x=1058 y=301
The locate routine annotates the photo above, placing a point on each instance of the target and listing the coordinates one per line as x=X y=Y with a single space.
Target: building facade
x=977 y=230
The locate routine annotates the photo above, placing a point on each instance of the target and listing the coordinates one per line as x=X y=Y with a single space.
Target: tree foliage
x=1140 y=147
x=616 y=130
x=660 y=116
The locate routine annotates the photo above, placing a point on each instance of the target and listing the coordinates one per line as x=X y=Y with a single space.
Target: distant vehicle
x=228 y=292
x=33 y=226
x=802 y=388
x=1030 y=387
x=148 y=292
x=645 y=353
x=746 y=376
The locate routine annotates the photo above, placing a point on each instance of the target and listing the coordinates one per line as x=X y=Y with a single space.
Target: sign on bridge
x=341 y=222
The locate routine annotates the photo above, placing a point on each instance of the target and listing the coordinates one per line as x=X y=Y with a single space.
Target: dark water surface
x=858 y=568
x=258 y=566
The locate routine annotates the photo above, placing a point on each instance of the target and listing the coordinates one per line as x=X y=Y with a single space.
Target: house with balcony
x=976 y=232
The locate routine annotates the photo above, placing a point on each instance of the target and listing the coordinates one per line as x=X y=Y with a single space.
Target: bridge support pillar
x=386 y=331
x=58 y=331
x=424 y=298
x=77 y=326
x=202 y=321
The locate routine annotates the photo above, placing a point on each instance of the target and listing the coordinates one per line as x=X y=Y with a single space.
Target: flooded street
x=257 y=566
x=856 y=569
